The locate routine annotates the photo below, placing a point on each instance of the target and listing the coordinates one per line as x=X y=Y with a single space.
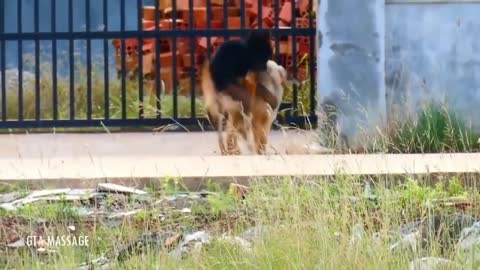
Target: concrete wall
x=351 y=63
x=433 y=53
x=381 y=61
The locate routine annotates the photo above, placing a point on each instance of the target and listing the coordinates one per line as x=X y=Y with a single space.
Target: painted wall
x=351 y=64
x=382 y=60
x=433 y=52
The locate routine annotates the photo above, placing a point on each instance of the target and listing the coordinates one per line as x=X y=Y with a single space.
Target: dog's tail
x=208 y=88
x=209 y=94
x=212 y=105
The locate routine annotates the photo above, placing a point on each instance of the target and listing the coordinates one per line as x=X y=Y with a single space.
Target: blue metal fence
x=56 y=100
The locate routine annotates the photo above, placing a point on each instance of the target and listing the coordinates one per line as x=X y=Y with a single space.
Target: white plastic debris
x=124 y=214
x=108 y=187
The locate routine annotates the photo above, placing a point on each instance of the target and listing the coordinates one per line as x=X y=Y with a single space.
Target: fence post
x=3 y=60
x=351 y=66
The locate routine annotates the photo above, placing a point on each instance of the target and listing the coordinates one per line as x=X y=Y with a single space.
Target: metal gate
x=86 y=63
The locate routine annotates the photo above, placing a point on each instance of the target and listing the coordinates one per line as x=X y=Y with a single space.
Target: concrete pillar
x=351 y=66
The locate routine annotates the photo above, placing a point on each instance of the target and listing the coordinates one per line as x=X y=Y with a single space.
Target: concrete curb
x=89 y=170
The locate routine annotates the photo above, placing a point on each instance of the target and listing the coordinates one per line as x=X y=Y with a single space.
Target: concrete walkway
x=84 y=158
x=47 y=146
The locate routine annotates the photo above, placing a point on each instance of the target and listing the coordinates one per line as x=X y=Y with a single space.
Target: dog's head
x=260 y=50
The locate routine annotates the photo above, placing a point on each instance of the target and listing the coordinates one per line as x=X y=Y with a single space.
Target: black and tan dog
x=223 y=84
x=231 y=97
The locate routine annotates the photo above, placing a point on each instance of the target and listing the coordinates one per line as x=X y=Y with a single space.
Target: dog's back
x=273 y=80
x=229 y=63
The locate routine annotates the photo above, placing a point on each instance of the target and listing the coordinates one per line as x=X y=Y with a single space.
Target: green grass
x=303 y=90
x=308 y=225
x=436 y=129
x=133 y=104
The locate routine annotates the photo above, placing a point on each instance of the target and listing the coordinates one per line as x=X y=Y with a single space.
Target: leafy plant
x=172 y=185
x=220 y=204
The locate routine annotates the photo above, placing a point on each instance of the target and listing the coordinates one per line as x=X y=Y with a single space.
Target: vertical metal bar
x=209 y=26
x=3 y=61
x=106 y=78
x=54 y=62
x=140 y=58
x=174 y=60
x=242 y=14
x=259 y=14
x=71 y=61
x=311 y=58
x=157 y=62
x=193 y=113
x=225 y=17
x=20 y=61
x=294 y=57
x=37 y=59
x=123 y=64
x=89 y=61
x=276 y=7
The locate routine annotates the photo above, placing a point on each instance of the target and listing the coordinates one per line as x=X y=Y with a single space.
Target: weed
x=310 y=223
x=436 y=129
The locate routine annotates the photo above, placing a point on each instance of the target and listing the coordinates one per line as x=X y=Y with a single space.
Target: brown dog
x=247 y=109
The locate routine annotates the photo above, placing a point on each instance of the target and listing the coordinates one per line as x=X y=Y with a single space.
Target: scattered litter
x=186 y=210
x=45 y=251
x=49 y=192
x=141 y=244
x=65 y=194
x=172 y=240
x=124 y=214
x=109 y=187
x=85 y=212
x=8 y=206
x=17 y=244
x=470 y=242
x=9 y=197
x=191 y=244
x=409 y=241
x=162 y=217
x=433 y=263
x=198 y=236
x=101 y=262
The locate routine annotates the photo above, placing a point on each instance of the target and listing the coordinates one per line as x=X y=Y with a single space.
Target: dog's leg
x=246 y=122
x=232 y=139
x=221 y=143
x=261 y=126
x=259 y=136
